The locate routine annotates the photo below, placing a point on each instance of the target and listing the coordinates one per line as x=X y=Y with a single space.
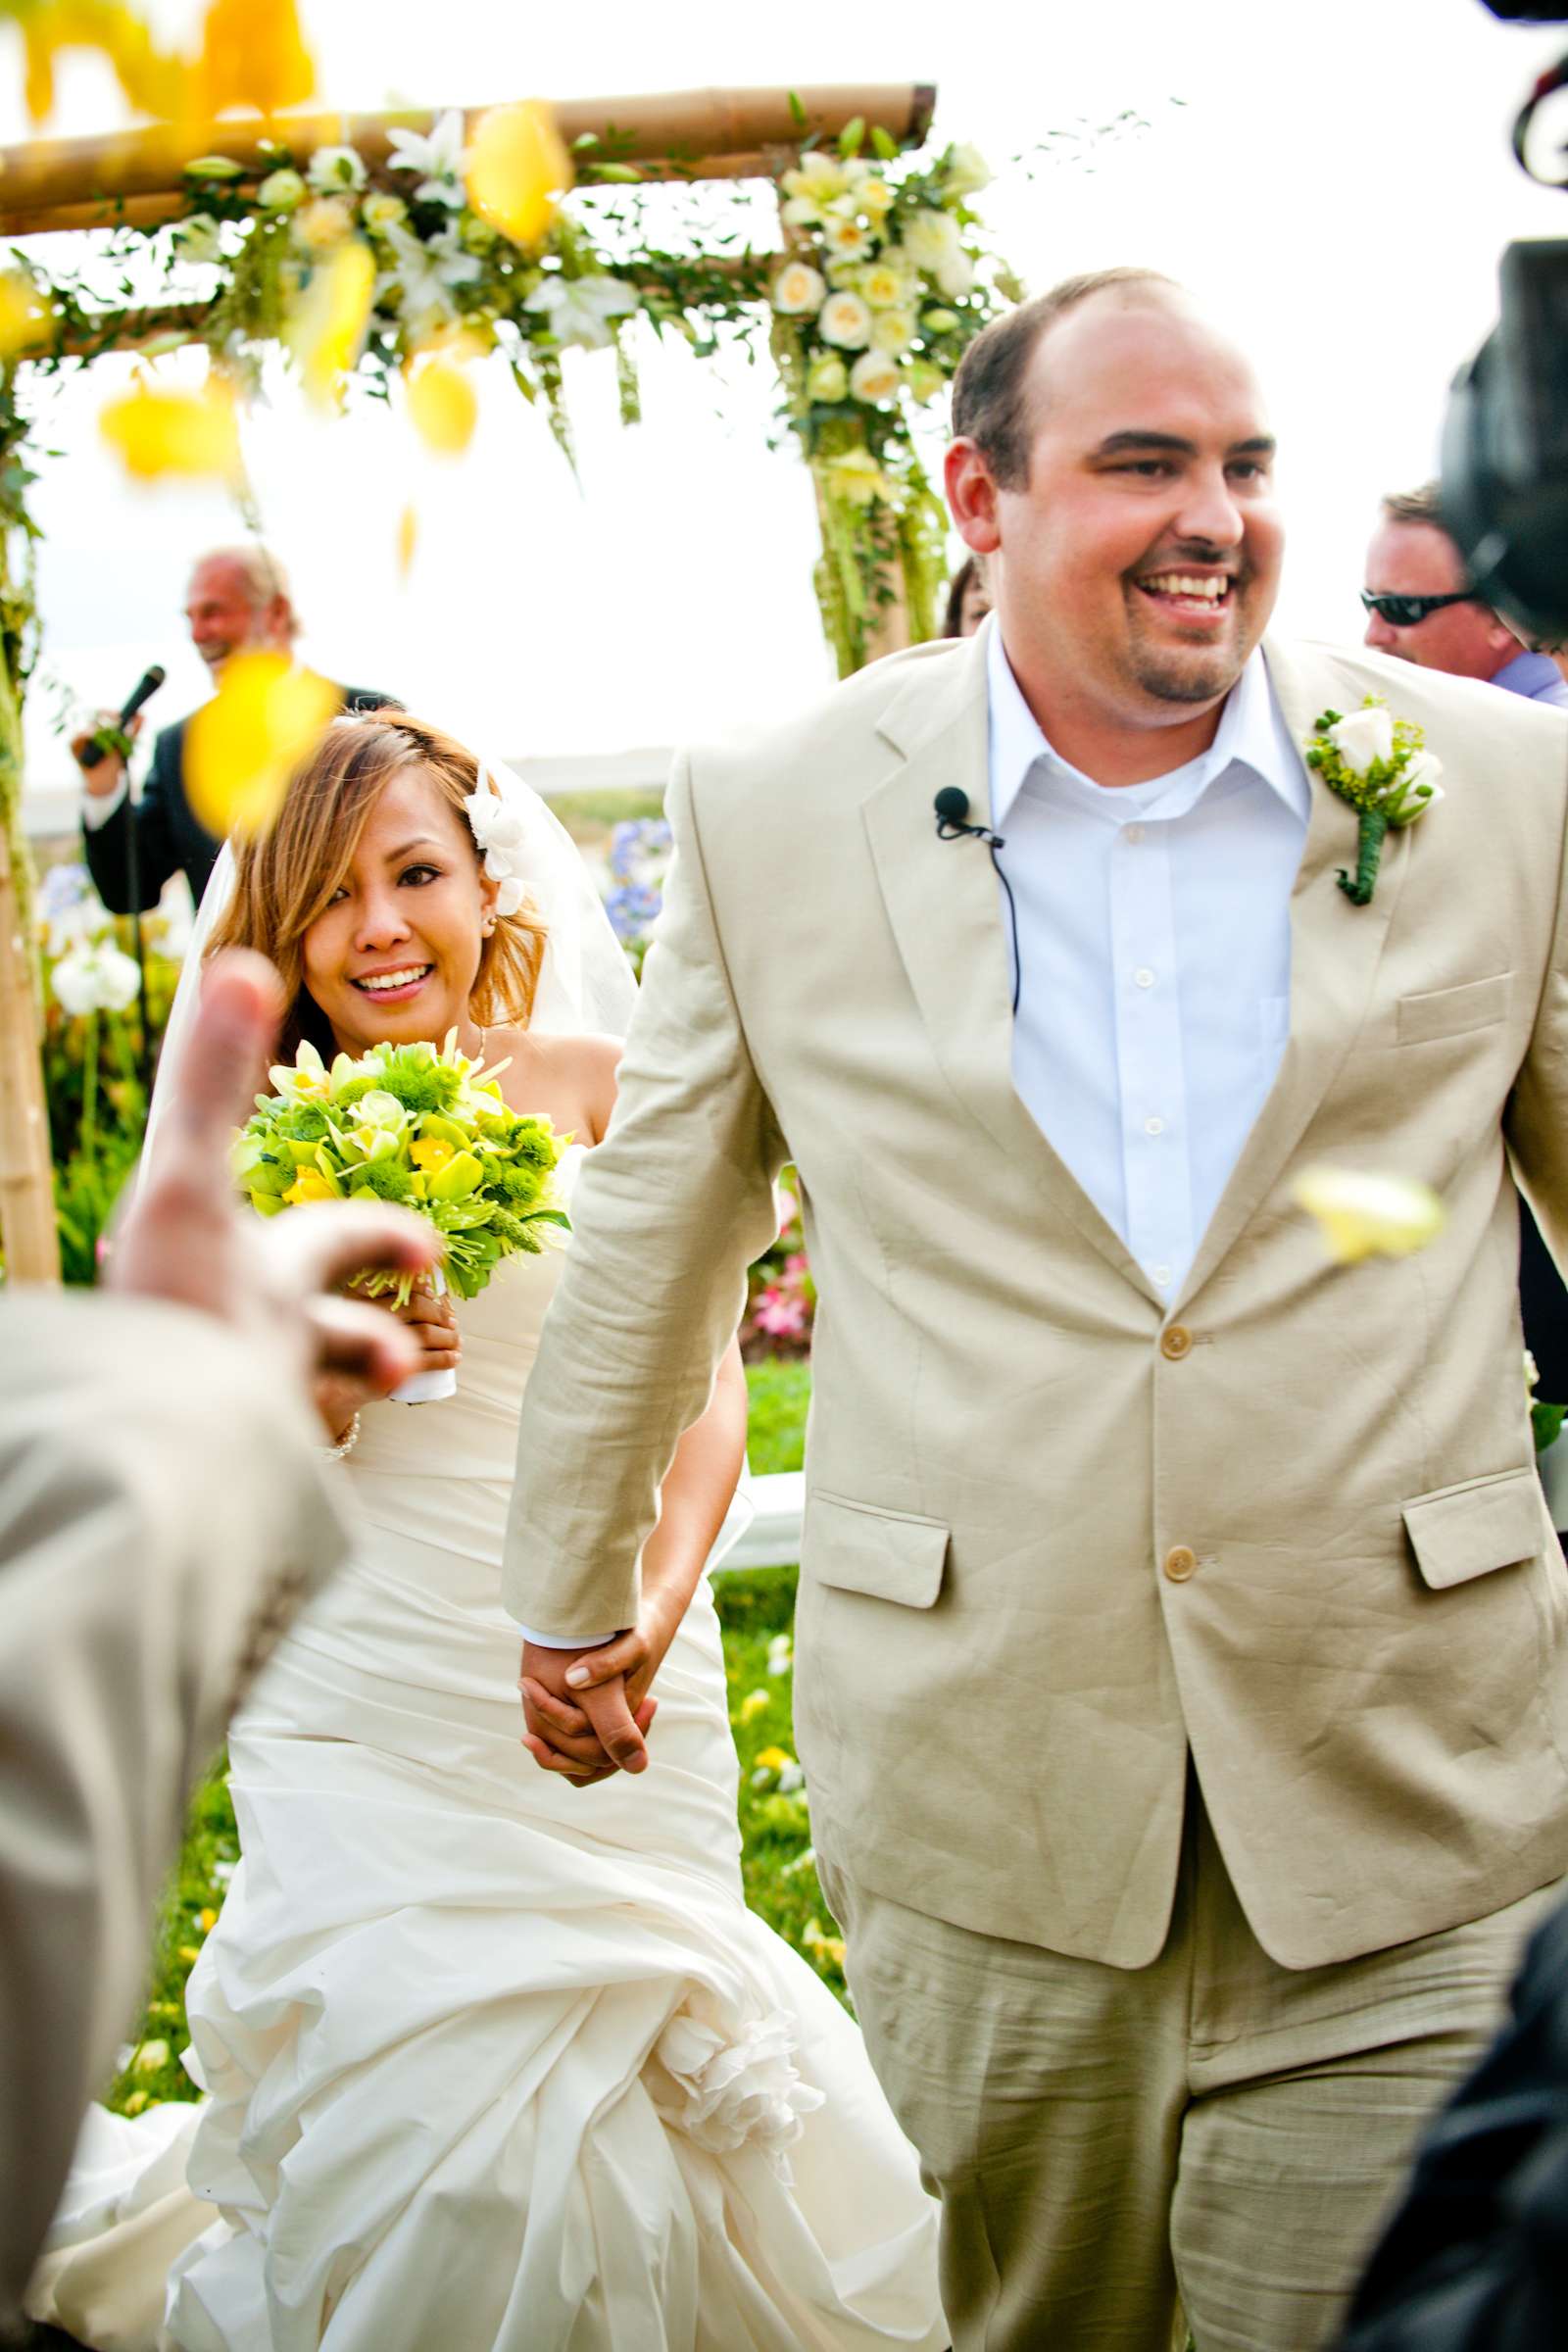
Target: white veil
x=585 y=983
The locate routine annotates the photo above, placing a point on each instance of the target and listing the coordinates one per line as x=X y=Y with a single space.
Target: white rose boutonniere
x=1380 y=767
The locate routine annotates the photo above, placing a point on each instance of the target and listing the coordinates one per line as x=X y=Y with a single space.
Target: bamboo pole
x=26 y=1175
x=690 y=134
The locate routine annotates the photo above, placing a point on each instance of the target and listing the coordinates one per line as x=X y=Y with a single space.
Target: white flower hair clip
x=498 y=828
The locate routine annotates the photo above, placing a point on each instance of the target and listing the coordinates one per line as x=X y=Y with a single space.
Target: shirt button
x=1160 y=1276
x=1155 y=1126
x=1175 y=1343
x=1143 y=976
x=1180 y=1561
x=1131 y=832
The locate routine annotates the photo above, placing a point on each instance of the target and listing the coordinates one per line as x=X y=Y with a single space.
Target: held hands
x=113 y=741
x=588 y=1710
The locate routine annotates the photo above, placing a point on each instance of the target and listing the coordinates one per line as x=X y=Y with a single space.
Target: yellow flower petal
x=754 y=1703
x=325 y=331
x=1362 y=1214
x=774 y=1760
x=241 y=746
x=156 y=430
x=150 y=2058
x=443 y=404
x=253 y=55
x=430 y=1153
x=24 y=315
x=308 y=1184
x=518 y=166
x=207 y=1917
x=408 y=541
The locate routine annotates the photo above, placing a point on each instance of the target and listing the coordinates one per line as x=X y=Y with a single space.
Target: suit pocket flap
x=1466 y=1531
x=1451 y=1012
x=891 y=1556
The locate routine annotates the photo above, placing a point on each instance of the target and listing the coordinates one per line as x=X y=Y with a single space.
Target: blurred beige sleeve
x=162 y=1511
x=668 y=1213
x=1536 y=1122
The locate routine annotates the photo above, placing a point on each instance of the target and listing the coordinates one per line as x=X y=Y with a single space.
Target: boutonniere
x=1381 y=765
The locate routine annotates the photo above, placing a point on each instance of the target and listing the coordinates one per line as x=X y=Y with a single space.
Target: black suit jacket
x=1475 y=2258
x=167 y=835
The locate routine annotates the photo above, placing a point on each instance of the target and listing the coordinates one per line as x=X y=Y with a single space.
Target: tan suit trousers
x=1214 y=2128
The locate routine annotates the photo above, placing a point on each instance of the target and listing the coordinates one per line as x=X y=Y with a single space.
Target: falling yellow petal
x=253 y=55
x=25 y=314
x=408 y=541
x=155 y=430
x=1366 y=1215
x=241 y=746
x=443 y=404
x=327 y=331
x=518 y=166
x=152 y=81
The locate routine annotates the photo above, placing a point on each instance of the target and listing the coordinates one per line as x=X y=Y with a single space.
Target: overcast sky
x=1336 y=181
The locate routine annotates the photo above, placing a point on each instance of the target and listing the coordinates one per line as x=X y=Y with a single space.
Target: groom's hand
x=586 y=1734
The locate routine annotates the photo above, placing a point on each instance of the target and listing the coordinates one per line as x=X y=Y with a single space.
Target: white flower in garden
x=1360 y=1214
x=798 y=289
x=324 y=223
x=198 y=239
x=893 y=330
x=847 y=238
x=955 y=274
x=281 y=192
x=967 y=172
x=425 y=272
x=884 y=284
x=381 y=212
x=875 y=376
x=1364 y=738
x=439 y=154
x=335 y=168
x=96 y=976
x=844 y=321
x=930 y=238
x=827 y=378
x=583 y=309
x=819 y=179
x=857 y=477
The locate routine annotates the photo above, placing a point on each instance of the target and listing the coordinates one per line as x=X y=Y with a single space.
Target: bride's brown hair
x=284 y=878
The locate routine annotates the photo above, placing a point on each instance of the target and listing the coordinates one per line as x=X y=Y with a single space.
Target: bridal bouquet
x=427 y=1129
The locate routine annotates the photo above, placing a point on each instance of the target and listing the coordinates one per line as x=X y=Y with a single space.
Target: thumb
x=614 y=1726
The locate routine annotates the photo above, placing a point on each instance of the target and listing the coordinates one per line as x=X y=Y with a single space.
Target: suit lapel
x=943 y=901
x=1335 y=951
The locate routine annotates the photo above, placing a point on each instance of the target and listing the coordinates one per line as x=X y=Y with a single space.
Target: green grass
x=775 y=1437
x=757 y=1610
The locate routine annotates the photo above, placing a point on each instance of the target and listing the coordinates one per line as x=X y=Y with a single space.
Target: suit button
x=1180 y=1561
x=1175 y=1343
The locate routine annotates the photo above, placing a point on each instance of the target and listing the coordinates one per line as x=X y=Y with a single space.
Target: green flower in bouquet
x=428 y=1129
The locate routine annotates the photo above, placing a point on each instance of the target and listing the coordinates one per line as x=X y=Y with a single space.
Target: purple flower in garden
x=632 y=909
x=639 y=850
x=63 y=887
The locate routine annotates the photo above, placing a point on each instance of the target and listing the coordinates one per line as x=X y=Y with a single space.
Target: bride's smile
x=394 y=954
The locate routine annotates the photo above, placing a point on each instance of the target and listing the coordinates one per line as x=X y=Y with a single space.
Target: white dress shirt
x=1155 y=939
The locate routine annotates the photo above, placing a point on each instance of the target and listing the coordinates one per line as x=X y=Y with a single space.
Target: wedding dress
x=490 y=2065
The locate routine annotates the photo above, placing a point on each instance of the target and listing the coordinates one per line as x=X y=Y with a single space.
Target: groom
x=1182 y=1637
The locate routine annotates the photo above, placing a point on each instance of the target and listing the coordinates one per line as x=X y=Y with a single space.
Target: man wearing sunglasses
x=1421 y=608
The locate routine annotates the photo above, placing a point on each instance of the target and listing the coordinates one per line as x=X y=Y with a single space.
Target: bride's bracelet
x=345 y=1445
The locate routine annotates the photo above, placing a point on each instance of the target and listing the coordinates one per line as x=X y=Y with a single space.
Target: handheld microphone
x=145 y=688
x=952 y=806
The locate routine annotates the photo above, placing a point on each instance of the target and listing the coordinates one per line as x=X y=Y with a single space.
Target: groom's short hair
x=990 y=399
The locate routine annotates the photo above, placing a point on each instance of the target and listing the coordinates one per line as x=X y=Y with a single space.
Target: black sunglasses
x=1404 y=612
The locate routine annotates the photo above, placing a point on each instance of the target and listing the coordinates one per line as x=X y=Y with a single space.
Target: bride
x=488 y=2068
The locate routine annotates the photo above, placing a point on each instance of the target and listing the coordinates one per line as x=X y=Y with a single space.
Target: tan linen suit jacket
x=1000 y=1677
x=161 y=1512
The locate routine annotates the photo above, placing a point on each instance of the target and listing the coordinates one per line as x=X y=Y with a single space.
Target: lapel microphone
x=952 y=806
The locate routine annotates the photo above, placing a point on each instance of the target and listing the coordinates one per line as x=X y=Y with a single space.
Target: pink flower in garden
x=783 y=1318
x=796 y=1267
x=789 y=1208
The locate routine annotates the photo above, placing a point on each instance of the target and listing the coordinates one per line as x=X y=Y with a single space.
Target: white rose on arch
x=956 y=276
x=798 y=290
x=875 y=376
x=893 y=330
x=967 y=172
x=845 y=322
x=930 y=238
x=334 y=169
x=1364 y=738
